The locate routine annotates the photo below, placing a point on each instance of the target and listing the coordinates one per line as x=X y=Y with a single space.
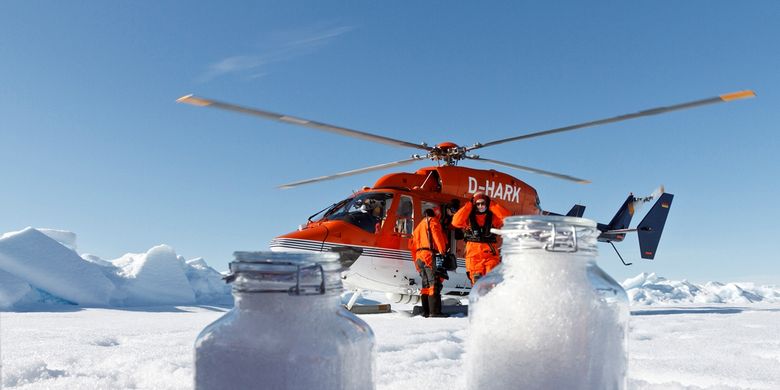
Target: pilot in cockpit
x=373 y=210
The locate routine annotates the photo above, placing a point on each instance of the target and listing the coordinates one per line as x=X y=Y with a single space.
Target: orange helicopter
x=371 y=227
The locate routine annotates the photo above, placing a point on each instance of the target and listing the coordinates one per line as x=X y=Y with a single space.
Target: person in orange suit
x=476 y=218
x=427 y=243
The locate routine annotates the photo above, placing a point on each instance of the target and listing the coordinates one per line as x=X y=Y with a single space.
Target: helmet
x=480 y=196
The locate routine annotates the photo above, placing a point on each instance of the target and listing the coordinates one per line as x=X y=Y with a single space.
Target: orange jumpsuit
x=423 y=249
x=481 y=257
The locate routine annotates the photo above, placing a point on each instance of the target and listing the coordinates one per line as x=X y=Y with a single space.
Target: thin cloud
x=322 y=36
x=283 y=46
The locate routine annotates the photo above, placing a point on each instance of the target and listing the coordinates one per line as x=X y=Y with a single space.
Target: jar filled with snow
x=548 y=317
x=287 y=330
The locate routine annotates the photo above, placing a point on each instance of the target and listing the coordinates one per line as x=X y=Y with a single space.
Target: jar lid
x=285 y=272
x=551 y=233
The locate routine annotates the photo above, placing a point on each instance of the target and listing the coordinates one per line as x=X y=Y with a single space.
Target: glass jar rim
x=552 y=233
x=291 y=272
x=560 y=219
x=280 y=262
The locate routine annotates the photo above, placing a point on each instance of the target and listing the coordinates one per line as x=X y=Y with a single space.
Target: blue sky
x=92 y=141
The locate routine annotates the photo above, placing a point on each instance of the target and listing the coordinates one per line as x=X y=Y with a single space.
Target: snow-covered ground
x=693 y=347
x=76 y=321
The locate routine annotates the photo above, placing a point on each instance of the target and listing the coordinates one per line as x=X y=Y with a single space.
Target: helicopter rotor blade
x=532 y=170
x=653 y=111
x=203 y=102
x=352 y=172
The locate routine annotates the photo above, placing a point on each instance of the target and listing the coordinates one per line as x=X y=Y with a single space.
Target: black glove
x=442 y=273
x=450 y=262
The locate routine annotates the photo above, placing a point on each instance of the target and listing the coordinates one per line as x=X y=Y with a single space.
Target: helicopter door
x=425 y=205
x=459 y=248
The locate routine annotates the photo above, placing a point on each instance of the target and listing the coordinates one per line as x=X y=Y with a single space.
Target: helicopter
x=370 y=228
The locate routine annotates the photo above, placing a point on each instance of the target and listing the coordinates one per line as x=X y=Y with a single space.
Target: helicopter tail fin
x=577 y=210
x=652 y=225
x=622 y=218
x=615 y=230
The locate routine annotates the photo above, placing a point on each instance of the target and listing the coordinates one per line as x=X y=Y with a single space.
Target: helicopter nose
x=304 y=240
x=312 y=239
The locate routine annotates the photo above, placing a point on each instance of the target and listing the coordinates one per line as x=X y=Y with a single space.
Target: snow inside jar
x=287 y=329
x=548 y=317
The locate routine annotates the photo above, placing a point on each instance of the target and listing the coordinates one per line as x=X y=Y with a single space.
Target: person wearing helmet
x=428 y=242
x=476 y=218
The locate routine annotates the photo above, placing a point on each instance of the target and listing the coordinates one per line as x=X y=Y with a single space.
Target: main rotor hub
x=447 y=145
x=448 y=152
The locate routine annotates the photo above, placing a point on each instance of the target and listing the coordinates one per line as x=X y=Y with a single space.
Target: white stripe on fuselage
x=382 y=269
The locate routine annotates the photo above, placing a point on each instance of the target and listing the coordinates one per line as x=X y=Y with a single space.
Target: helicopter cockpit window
x=367 y=210
x=330 y=210
x=404 y=222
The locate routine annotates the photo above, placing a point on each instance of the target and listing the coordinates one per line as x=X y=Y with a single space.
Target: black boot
x=435 y=303
x=426 y=307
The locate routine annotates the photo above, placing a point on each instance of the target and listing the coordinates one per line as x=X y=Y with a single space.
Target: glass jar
x=547 y=317
x=287 y=329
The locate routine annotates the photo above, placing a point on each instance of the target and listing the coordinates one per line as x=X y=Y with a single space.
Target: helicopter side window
x=366 y=211
x=404 y=222
x=431 y=205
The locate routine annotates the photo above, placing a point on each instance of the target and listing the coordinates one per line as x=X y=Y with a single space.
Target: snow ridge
x=651 y=289
x=41 y=266
x=44 y=263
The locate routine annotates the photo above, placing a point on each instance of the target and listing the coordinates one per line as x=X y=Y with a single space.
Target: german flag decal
x=665 y=205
